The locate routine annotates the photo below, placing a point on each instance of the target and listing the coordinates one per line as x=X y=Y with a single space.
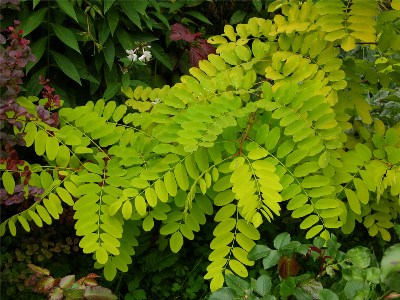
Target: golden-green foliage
x=276 y=120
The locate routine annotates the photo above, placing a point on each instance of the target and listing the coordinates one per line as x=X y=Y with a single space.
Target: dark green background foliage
x=181 y=175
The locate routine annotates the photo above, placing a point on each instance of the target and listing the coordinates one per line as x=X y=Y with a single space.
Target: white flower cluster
x=146 y=54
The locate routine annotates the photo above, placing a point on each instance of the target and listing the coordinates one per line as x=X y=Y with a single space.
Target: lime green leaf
x=181 y=177
x=33 y=21
x=151 y=196
x=315 y=181
x=148 y=223
x=309 y=221
x=66 y=65
x=44 y=215
x=353 y=201
x=65 y=196
x=8 y=182
x=170 y=183
x=24 y=223
x=302 y=211
x=35 y=217
x=348 y=43
x=63 y=156
x=31 y=131
x=52 y=147
x=176 y=242
x=363 y=151
x=314 y=231
x=127 y=210
x=40 y=142
x=11 y=226
x=66 y=36
x=161 y=190
x=238 y=268
x=141 y=205
x=101 y=255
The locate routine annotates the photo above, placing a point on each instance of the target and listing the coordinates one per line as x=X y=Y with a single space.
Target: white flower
x=131 y=55
x=146 y=56
x=157 y=100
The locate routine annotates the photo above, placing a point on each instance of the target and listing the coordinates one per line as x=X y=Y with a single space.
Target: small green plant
x=315 y=272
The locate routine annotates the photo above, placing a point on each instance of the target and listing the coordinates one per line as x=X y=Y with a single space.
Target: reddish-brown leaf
x=288 y=267
x=199 y=50
x=181 y=33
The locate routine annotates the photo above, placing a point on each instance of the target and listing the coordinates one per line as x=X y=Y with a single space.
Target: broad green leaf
x=237 y=17
x=271 y=259
x=66 y=36
x=68 y=8
x=38 y=48
x=66 y=65
x=108 y=4
x=390 y=261
x=281 y=240
x=8 y=182
x=297 y=201
x=315 y=181
x=199 y=16
x=325 y=294
x=259 y=251
x=263 y=285
x=111 y=90
x=33 y=21
x=176 y=242
x=364 y=152
x=159 y=53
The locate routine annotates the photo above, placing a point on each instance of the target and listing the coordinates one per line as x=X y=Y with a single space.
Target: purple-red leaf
x=199 y=51
x=181 y=33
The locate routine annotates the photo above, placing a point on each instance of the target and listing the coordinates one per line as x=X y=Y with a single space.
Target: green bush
x=276 y=122
x=325 y=273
